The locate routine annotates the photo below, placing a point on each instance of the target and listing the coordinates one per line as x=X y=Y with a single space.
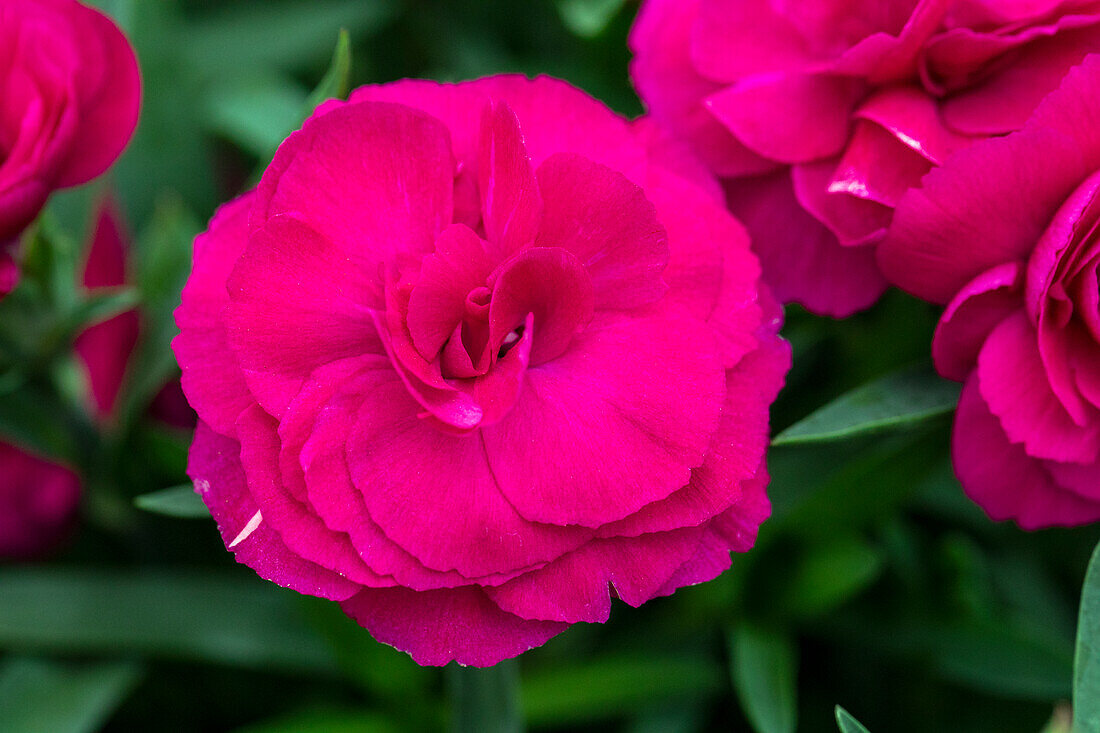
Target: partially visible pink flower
x=38 y=504
x=820 y=114
x=106 y=347
x=69 y=93
x=476 y=358
x=1007 y=233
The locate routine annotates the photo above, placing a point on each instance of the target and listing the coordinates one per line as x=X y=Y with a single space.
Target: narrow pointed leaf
x=765 y=669
x=1086 y=675
x=900 y=400
x=39 y=695
x=847 y=723
x=179 y=501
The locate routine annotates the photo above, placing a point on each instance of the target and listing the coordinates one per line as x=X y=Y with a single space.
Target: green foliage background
x=876 y=585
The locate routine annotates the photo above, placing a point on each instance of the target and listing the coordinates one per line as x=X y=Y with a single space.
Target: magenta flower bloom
x=69 y=93
x=1005 y=234
x=819 y=116
x=38 y=503
x=473 y=359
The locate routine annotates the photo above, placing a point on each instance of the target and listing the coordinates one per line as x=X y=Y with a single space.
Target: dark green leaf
x=178 y=501
x=765 y=669
x=485 y=700
x=847 y=723
x=1086 y=674
x=325 y=721
x=608 y=688
x=899 y=400
x=208 y=617
x=38 y=695
x=334 y=84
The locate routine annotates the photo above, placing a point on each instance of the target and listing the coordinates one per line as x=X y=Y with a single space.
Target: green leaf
x=233 y=619
x=163 y=263
x=765 y=668
x=1086 y=674
x=897 y=401
x=588 y=18
x=609 y=688
x=847 y=723
x=485 y=700
x=256 y=113
x=334 y=84
x=38 y=695
x=278 y=35
x=830 y=574
x=178 y=501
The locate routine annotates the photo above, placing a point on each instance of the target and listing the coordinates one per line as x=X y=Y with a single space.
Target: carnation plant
x=574 y=365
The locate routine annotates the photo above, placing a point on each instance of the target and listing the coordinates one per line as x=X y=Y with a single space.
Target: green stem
x=485 y=700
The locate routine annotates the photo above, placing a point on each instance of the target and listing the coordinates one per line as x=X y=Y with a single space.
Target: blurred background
x=876 y=585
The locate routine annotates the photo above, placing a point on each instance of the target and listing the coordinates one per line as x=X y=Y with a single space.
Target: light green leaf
x=897 y=401
x=588 y=18
x=847 y=723
x=765 y=669
x=178 y=501
x=233 y=619
x=334 y=84
x=38 y=695
x=256 y=113
x=1086 y=664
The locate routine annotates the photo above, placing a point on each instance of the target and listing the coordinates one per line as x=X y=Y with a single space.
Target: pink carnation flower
x=474 y=359
x=69 y=93
x=38 y=503
x=820 y=115
x=1005 y=233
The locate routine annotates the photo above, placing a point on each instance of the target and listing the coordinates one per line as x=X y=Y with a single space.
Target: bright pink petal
x=1003 y=102
x=607 y=222
x=732 y=39
x=854 y=220
x=970 y=317
x=437 y=302
x=105 y=347
x=298 y=527
x=1002 y=478
x=1015 y=386
x=580 y=124
x=912 y=116
x=212 y=378
x=435 y=495
x=711 y=271
x=510 y=202
x=735 y=454
x=577 y=586
x=621 y=433
x=802 y=260
x=296 y=302
x=215 y=467
x=375 y=179
x=790 y=118
x=436 y=627
x=109 y=88
x=667 y=81
x=996 y=196
x=551 y=286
